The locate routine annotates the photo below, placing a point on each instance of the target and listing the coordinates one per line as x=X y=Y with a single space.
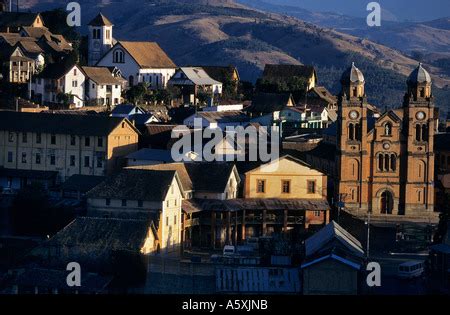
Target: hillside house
x=266 y=107
x=192 y=81
x=58 y=81
x=102 y=88
x=134 y=194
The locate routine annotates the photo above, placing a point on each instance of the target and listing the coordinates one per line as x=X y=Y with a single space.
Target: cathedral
x=386 y=162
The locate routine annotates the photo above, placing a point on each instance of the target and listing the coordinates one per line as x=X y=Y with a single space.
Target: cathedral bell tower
x=352 y=147
x=421 y=123
x=100 y=38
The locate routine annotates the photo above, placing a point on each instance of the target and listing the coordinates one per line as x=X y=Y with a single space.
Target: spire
x=100 y=20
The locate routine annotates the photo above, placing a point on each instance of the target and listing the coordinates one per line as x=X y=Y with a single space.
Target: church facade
x=386 y=164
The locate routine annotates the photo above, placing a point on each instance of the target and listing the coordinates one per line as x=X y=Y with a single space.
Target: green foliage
x=282 y=85
x=32 y=213
x=64 y=98
x=137 y=93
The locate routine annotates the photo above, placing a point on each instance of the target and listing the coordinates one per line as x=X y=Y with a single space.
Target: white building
x=99 y=38
x=102 y=88
x=57 y=80
x=140 y=62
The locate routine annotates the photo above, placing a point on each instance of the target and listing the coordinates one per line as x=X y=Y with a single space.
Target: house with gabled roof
x=63 y=78
x=334 y=260
x=11 y=22
x=192 y=81
x=102 y=87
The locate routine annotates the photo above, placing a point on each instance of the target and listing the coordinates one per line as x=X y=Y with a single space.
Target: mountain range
x=217 y=32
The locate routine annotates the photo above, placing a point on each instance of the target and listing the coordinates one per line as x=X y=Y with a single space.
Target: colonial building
x=144 y=195
x=61 y=144
x=16 y=67
x=101 y=87
x=138 y=61
x=386 y=164
x=57 y=81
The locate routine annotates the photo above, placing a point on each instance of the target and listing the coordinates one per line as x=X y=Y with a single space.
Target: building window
x=286 y=186
x=387 y=162
x=108 y=34
x=87 y=142
x=38 y=158
x=87 y=162
x=99 y=162
x=175 y=220
x=24 y=158
x=118 y=56
x=311 y=187
x=96 y=33
x=74 y=83
x=421 y=132
x=38 y=138
x=124 y=202
x=167 y=221
x=140 y=203
x=261 y=186
x=53 y=139
x=11 y=137
x=317 y=213
x=100 y=142
x=167 y=203
x=73 y=140
x=10 y=157
x=52 y=159
x=108 y=202
x=72 y=160
x=24 y=137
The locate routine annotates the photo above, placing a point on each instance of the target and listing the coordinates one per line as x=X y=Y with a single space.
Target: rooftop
x=82 y=125
x=147 y=54
x=135 y=184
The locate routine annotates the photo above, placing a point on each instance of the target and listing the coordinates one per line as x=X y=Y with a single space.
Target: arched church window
x=424 y=132
x=422 y=92
x=380 y=162
x=358 y=133
x=387 y=161
x=351 y=132
x=355 y=91
x=118 y=56
x=388 y=129
x=418 y=132
x=393 y=162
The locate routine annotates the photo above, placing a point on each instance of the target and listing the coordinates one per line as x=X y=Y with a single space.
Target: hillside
x=216 y=32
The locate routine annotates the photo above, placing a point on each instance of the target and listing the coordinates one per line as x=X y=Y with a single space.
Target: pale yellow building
x=285 y=178
x=61 y=144
x=138 y=194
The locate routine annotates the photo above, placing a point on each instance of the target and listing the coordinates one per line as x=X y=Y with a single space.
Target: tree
x=136 y=93
x=64 y=98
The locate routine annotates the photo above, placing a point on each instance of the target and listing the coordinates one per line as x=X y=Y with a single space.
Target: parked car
x=411 y=269
x=229 y=250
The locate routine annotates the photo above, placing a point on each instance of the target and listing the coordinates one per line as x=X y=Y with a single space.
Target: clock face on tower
x=354 y=114
x=420 y=115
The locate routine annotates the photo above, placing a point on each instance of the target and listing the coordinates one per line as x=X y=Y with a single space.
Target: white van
x=411 y=269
